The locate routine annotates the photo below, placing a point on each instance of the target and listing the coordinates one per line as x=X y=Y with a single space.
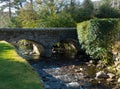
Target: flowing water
x=68 y=74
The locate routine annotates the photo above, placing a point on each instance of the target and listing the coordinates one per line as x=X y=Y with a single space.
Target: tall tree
x=106 y=11
x=6 y=4
x=73 y=7
x=53 y=15
x=4 y=19
x=51 y=6
x=28 y=16
x=11 y=4
x=88 y=9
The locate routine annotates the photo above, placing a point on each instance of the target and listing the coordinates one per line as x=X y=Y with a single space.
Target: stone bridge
x=47 y=37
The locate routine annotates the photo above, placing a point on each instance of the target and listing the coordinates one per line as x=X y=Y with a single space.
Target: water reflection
x=65 y=50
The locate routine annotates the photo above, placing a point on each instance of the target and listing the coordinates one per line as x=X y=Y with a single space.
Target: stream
x=66 y=73
x=69 y=74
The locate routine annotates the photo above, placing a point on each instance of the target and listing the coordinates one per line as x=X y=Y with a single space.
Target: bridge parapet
x=42 y=29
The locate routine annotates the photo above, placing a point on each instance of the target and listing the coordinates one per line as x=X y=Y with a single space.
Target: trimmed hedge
x=97 y=36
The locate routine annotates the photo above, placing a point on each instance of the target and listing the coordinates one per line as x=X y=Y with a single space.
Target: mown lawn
x=15 y=72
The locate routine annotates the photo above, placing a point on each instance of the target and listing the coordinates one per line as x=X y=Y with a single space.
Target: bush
x=97 y=36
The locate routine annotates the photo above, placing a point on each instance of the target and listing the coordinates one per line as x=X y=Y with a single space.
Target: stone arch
x=38 y=48
x=60 y=49
x=71 y=41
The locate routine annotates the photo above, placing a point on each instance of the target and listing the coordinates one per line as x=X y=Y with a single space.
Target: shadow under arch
x=71 y=41
x=66 y=48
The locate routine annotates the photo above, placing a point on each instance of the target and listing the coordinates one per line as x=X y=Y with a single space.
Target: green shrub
x=96 y=36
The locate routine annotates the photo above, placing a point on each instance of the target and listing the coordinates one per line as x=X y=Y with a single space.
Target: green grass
x=15 y=72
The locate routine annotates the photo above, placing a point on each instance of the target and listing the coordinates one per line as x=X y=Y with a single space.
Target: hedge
x=97 y=36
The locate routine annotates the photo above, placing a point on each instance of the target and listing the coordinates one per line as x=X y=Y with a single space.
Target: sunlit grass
x=15 y=72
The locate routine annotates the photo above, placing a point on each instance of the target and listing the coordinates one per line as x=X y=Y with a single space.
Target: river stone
x=47 y=87
x=110 y=80
x=81 y=69
x=101 y=74
x=117 y=63
x=118 y=67
x=76 y=70
x=118 y=80
x=73 y=84
x=111 y=75
x=91 y=61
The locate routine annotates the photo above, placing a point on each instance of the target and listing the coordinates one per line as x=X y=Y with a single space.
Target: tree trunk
x=10 y=13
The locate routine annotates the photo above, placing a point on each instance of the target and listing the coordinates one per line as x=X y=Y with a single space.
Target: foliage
x=28 y=18
x=18 y=3
x=97 y=37
x=106 y=11
x=87 y=10
x=54 y=13
x=14 y=23
x=59 y=20
x=80 y=12
x=4 y=19
x=44 y=13
x=15 y=72
x=73 y=8
x=88 y=5
x=24 y=44
x=7 y=4
x=65 y=49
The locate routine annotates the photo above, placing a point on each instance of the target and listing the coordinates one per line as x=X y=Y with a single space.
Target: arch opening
x=29 y=49
x=65 y=49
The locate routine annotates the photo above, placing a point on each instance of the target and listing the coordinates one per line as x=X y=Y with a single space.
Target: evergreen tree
x=87 y=9
x=28 y=17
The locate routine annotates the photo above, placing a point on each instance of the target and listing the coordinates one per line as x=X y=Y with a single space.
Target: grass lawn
x=15 y=72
